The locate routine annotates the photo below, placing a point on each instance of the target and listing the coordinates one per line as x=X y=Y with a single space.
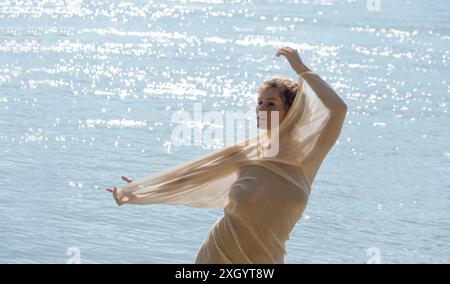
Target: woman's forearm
x=324 y=92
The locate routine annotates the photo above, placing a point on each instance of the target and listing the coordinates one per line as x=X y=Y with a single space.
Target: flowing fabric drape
x=262 y=195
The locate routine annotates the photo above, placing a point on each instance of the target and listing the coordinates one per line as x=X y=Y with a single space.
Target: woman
x=263 y=195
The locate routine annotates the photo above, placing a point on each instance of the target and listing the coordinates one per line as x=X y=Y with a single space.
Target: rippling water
x=87 y=89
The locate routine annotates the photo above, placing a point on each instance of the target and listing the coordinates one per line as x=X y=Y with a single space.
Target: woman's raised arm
x=325 y=93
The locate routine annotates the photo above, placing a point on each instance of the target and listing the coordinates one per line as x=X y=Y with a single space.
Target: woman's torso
x=263 y=207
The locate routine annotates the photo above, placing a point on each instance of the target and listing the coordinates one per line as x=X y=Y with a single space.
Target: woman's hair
x=286 y=87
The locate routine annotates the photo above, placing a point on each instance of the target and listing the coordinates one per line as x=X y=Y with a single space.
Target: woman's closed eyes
x=270 y=104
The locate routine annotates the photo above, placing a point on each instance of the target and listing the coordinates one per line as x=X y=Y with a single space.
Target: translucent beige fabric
x=262 y=196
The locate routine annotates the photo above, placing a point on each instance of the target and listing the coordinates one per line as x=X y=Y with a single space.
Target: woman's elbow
x=343 y=107
x=339 y=109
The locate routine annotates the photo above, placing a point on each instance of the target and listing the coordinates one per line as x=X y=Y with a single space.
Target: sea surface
x=88 y=89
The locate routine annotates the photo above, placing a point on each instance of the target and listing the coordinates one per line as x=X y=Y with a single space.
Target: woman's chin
x=261 y=126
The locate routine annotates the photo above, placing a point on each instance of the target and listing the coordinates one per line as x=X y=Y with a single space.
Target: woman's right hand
x=293 y=58
x=114 y=190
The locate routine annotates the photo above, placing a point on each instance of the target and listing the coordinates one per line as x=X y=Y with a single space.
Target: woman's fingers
x=114 y=193
x=115 y=196
x=284 y=54
x=286 y=50
x=126 y=179
x=290 y=53
x=281 y=52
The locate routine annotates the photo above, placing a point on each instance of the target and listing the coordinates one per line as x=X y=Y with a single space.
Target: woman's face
x=269 y=100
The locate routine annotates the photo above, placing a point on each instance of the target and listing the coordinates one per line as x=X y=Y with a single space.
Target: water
x=87 y=90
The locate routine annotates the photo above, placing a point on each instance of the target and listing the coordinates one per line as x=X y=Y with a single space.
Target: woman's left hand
x=114 y=190
x=114 y=193
x=293 y=58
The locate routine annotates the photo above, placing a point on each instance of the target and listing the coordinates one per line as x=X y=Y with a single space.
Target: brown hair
x=287 y=88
